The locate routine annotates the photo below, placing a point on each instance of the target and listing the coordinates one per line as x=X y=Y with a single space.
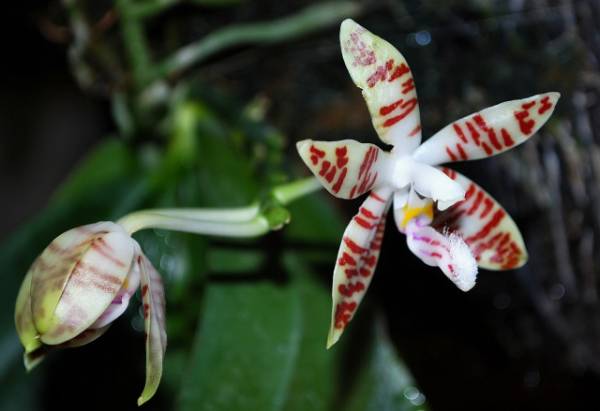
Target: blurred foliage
x=246 y=319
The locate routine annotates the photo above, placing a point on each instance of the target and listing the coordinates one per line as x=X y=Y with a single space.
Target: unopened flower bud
x=79 y=285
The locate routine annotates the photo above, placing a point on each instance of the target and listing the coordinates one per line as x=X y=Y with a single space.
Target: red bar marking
x=351 y=288
x=488 y=205
x=449 y=172
x=476 y=203
x=363 y=223
x=352 y=192
x=435 y=255
x=495 y=220
x=459 y=132
x=415 y=131
x=355 y=248
x=376 y=197
x=528 y=105
x=409 y=106
x=526 y=124
x=368 y=213
x=343 y=313
x=401 y=70
x=545 y=105
x=487 y=149
x=346 y=259
x=385 y=110
x=330 y=174
x=408 y=85
x=340 y=180
x=350 y=272
x=316 y=151
x=100 y=246
x=491 y=133
x=506 y=137
x=380 y=74
x=462 y=153
x=365 y=272
x=470 y=191
x=368 y=160
x=474 y=133
x=370 y=260
x=324 y=167
x=451 y=154
x=340 y=154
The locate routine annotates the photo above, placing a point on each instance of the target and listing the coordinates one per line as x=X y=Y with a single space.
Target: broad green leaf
x=383 y=383
x=245 y=348
x=314 y=219
x=235 y=261
x=312 y=386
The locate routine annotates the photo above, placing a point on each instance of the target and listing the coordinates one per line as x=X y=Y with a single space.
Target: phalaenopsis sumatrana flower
x=85 y=278
x=468 y=228
x=79 y=285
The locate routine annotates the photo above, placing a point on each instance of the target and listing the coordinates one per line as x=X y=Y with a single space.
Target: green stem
x=158 y=219
x=136 y=45
x=310 y=19
x=250 y=221
x=286 y=193
x=149 y=8
x=198 y=218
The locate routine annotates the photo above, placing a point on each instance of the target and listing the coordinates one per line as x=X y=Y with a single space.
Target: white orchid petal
x=346 y=168
x=356 y=260
x=387 y=85
x=153 y=297
x=432 y=183
x=487 y=228
x=488 y=132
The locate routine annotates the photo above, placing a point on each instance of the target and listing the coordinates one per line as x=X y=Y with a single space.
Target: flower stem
x=286 y=193
x=305 y=21
x=250 y=221
x=173 y=219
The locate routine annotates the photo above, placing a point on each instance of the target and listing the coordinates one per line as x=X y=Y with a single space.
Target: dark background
x=521 y=340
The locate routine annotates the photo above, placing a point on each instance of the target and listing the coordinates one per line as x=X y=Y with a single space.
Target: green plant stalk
x=145 y=9
x=286 y=193
x=162 y=219
x=136 y=45
x=310 y=19
x=250 y=221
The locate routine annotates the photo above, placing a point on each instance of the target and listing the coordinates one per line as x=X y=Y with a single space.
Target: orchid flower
x=83 y=281
x=79 y=285
x=468 y=228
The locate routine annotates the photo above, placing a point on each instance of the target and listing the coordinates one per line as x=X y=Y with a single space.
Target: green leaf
x=383 y=383
x=234 y=261
x=312 y=385
x=314 y=219
x=245 y=348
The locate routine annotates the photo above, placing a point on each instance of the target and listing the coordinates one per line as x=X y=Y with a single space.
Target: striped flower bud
x=79 y=285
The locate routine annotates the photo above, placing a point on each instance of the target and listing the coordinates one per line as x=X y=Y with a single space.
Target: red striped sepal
x=488 y=132
x=153 y=298
x=73 y=282
x=356 y=260
x=387 y=85
x=346 y=168
x=485 y=226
